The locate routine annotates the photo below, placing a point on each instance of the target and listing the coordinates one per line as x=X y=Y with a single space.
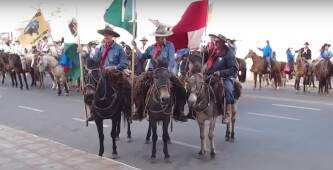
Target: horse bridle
x=154 y=96
x=91 y=80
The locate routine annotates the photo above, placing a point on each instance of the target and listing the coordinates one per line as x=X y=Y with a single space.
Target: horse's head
x=194 y=86
x=162 y=84
x=250 y=54
x=92 y=74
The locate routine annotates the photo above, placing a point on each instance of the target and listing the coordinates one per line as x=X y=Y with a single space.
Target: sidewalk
x=23 y=151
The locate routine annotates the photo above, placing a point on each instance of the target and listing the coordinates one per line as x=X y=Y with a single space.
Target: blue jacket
x=116 y=57
x=266 y=51
x=326 y=54
x=226 y=64
x=290 y=56
x=167 y=54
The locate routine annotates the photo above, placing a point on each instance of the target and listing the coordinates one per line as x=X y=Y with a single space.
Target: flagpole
x=81 y=65
x=205 y=34
x=133 y=58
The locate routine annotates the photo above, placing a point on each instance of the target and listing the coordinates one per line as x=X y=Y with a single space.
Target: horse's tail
x=242 y=75
x=238 y=90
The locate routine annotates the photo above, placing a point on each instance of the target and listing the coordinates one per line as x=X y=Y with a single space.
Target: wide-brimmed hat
x=162 y=31
x=306 y=43
x=327 y=44
x=144 y=39
x=222 y=37
x=212 y=35
x=93 y=43
x=108 y=30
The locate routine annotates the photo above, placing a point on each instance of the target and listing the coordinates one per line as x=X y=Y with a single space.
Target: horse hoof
x=153 y=159
x=66 y=94
x=202 y=153
x=212 y=155
x=231 y=140
x=114 y=156
x=147 y=141
x=167 y=160
x=227 y=139
x=100 y=154
x=129 y=140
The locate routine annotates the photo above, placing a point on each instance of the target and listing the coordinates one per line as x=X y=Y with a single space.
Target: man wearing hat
x=110 y=56
x=325 y=52
x=164 y=50
x=143 y=41
x=226 y=67
x=92 y=48
x=305 y=52
x=267 y=54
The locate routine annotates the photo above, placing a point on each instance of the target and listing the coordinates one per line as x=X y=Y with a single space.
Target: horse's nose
x=165 y=99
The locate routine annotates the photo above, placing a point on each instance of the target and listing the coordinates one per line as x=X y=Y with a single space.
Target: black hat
x=306 y=43
x=108 y=30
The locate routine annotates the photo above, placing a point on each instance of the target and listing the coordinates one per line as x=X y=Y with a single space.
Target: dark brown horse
x=17 y=69
x=259 y=67
x=111 y=99
x=159 y=107
x=323 y=70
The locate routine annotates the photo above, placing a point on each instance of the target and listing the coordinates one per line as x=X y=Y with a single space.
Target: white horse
x=50 y=63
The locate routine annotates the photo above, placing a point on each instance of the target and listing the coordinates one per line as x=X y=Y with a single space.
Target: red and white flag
x=189 y=30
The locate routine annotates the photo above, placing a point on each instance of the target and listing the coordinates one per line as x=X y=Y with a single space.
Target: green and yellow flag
x=36 y=29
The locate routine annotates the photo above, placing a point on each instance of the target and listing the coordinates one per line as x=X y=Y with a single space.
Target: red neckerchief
x=158 y=49
x=105 y=53
x=213 y=56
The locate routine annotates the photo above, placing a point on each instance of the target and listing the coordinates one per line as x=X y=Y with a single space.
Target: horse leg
x=154 y=130
x=118 y=129
x=66 y=88
x=114 y=137
x=255 y=80
x=211 y=137
x=201 y=124
x=3 y=77
x=12 y=78
x=129 y=132
x=25 y=81
x=233 y=121
x=20 y=80
x=59 y=88
x=165 y=138
x=99 y=125
x=227 y=132
x=260 y=78
x=15 y=79
x=148 y=133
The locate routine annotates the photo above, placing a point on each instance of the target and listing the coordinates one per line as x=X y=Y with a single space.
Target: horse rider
x=43 y=45
x=267 y=53
x=305 y=52
x=325 y=52
x=290 y=60
x=110 y=56
x=225 y=67
x=165 y=51
x=92 y=48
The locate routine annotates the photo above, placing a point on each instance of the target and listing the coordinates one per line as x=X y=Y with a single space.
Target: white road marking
x=273 y=116
x=249 y=129
x=30 y=108
x=188 y=145
x=296 y=107
x=91 y=123
x=288 y=100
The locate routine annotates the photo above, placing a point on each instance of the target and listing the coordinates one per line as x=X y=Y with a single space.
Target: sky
x=285 y=23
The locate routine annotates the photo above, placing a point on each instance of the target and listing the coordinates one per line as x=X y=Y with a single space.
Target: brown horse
x=323 y=71
x=302 y=69
x=17 y=68
x=259 y=67
x=159 y=107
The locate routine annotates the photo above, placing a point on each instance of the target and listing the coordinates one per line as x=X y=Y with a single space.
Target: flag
x=70 y=61
x=36 y=29
x=73 y=27
x=120 y=14
x=187 y=33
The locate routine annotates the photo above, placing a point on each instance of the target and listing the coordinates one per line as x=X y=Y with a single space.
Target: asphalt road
x=275 y=130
